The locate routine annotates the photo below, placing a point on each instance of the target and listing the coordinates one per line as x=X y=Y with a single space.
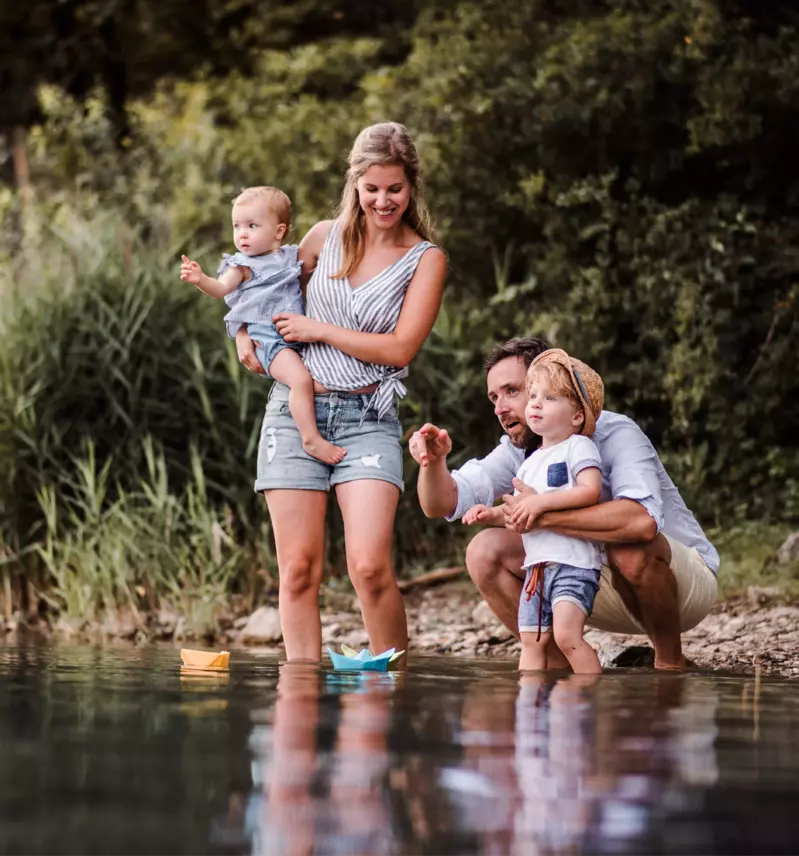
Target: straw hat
x=586 y=382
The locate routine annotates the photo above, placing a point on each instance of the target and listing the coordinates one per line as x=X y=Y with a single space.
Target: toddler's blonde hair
x=277 y=201
x=558 y=379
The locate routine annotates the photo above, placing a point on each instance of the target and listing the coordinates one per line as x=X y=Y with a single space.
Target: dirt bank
x=452 y=619
x=759 y=628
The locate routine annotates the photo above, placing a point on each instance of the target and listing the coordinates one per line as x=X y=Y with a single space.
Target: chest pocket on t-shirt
x=558 y=474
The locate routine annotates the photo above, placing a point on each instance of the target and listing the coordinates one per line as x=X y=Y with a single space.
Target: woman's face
x=384 y=193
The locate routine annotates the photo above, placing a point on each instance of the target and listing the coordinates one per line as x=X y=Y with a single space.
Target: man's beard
x=523 y=437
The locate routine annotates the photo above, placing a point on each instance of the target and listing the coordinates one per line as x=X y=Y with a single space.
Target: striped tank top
x=372 y=307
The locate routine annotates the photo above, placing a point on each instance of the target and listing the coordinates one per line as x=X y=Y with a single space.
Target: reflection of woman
x=374 y=292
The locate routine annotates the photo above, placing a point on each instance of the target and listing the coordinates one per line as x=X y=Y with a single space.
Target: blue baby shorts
x=269 y=343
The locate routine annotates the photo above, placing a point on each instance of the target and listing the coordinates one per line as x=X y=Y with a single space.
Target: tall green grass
x=105 y=355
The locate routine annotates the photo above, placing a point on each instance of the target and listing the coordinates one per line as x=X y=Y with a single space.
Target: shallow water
x=110 y=750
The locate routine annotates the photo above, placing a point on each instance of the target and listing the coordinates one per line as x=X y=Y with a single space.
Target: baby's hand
x=474 y=514
x=190 y=271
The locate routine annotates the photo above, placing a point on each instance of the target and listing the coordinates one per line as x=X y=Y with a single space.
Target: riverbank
x=759 y=627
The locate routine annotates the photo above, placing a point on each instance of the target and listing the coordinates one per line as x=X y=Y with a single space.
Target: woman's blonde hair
x=384 y=144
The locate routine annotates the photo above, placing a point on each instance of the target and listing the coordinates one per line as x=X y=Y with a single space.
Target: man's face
x=507 y=391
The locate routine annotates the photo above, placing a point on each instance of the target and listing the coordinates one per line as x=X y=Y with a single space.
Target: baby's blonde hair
x=557 y=379
x=277 y=201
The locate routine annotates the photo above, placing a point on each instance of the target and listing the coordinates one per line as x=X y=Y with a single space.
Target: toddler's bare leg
x=287 y=367
x=568 y=625
x=534 y=654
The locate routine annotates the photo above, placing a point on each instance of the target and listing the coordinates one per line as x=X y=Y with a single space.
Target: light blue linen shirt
x=273 y=287
x=631 y=469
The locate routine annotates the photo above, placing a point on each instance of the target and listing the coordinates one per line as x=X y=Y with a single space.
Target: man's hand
x=296 y=328
x=190 y=271
x=430 y=444
x=245 y=348
x=522 y=510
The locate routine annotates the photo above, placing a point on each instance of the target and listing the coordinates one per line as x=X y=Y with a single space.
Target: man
x=660 y=575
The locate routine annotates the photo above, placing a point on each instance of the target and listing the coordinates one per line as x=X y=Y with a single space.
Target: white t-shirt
x=556 y=468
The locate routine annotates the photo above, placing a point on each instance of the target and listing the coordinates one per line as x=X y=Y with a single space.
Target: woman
x=374 y=290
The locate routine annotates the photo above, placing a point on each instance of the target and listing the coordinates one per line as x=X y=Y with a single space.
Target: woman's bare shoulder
x=315 y=237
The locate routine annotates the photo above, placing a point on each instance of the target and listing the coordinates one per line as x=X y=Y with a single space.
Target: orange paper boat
x=205 y=659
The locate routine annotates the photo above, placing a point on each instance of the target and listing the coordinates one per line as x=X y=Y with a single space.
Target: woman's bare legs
x=298 y=521
x=288 y=368
x=368 y=507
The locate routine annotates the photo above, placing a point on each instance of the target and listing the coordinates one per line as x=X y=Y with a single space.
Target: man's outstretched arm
x=435 y=487
x=437 y=491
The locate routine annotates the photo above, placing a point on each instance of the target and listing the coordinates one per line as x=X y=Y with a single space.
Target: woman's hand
x=297 y=328
x=245 y=348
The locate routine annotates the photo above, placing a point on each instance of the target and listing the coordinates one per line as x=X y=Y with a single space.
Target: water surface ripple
x=111 y=750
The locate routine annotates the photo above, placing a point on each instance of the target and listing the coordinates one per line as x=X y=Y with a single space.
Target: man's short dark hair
x=526 y=348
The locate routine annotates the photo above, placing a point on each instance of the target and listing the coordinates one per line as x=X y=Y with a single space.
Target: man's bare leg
x=643 y=578
x=494 y=560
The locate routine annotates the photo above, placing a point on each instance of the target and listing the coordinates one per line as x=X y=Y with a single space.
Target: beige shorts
x=696 y=591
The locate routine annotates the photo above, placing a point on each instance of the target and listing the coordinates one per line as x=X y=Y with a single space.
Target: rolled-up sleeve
x=481 y=480
x=632 y=468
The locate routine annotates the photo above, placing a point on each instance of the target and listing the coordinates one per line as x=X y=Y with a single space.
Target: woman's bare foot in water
x=324 y=451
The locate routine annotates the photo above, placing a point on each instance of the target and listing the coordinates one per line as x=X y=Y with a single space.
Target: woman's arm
x=419 y=310
x=310 y=248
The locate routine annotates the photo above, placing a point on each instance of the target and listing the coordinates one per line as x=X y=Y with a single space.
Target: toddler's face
x=256 y=229
x=550 y=415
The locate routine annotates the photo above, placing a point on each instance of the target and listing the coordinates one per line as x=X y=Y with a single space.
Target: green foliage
x=149 y=548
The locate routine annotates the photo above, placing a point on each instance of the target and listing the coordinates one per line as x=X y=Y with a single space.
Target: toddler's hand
x=521 y=514
x=474 y=515
x=190 y=271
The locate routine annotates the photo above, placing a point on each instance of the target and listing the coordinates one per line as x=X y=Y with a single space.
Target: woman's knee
x=371 y=577
x=299 y=575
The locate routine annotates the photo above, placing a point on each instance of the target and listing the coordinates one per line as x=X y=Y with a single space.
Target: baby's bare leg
x=534 y=653
x=287 y=367
x=568 y=625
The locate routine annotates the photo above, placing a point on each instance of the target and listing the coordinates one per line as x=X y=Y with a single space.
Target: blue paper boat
x=362 y=661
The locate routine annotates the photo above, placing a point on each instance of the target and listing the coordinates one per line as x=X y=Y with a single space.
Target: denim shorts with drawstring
x=345 y=419
x=560 y=582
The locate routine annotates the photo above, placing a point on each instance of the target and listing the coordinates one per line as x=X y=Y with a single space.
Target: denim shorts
x=269 y=343
x=561 y=582
x=373 y=448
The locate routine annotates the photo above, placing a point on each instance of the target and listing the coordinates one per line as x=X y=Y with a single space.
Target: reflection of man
x=660 y=577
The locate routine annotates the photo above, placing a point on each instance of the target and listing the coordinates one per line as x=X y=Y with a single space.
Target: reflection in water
x=108 y=750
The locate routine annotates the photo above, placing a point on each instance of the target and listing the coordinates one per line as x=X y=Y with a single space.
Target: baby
x=562 y=573
x=258 y=282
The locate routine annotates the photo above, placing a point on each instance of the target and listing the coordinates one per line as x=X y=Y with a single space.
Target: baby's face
x=256 y=229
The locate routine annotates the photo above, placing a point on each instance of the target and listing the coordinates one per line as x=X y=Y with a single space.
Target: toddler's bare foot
x=319 y=448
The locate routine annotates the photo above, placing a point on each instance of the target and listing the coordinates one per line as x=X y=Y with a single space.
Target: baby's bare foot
x=319 y=448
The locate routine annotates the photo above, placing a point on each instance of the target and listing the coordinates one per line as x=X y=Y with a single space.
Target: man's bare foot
x=683 y=665
x=319 y=448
